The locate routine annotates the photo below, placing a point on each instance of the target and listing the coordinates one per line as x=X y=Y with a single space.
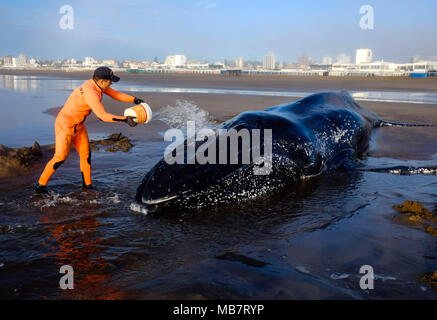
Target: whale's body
x=311 y=136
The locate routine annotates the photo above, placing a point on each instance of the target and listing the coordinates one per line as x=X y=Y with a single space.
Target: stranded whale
x=319 y=133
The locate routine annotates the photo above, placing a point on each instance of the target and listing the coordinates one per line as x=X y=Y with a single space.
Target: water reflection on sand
x=32 y=84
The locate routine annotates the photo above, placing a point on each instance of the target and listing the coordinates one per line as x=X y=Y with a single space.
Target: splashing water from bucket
x=178 y=115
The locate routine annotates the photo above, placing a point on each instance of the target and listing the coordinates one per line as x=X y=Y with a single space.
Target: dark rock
x=115 y=142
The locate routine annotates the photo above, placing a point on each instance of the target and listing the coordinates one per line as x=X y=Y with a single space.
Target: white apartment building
x=21 y=61
x=239 y=63
x=111 y=63
x=89 y=61
x=175 y=60
x=363 y=56
x=269 y=61
x=7 y=61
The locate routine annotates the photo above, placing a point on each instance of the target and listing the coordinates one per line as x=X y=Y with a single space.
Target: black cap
x=105 y=73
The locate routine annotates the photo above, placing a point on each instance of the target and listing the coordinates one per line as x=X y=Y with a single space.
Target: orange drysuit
x=70 y=128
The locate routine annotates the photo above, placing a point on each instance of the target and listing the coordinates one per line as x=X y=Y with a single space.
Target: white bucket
x=141 y=112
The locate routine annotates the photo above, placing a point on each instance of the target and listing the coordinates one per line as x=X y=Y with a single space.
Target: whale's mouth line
x=159 y=201
x=164 y=199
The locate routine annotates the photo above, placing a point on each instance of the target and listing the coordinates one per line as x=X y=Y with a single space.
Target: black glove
x=138 y=100
x=130 y=121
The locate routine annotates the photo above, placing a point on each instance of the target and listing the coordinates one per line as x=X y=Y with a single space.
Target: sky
x=214 y=30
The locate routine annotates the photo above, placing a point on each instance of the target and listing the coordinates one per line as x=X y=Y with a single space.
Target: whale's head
x=182 y=187
x=238 y=161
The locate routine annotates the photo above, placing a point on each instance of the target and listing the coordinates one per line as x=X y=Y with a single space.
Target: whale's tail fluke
x=384 y=123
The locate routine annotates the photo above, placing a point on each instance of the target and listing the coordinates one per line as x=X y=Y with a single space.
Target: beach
x=306 y=242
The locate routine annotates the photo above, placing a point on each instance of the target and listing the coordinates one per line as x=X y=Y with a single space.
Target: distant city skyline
x=268 y=61
x=205 y=30
x=362 y=66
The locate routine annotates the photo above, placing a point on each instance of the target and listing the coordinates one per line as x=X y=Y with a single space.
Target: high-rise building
x=89 y=61
x=239 y=62
x=363 y=56
x=176 y=60
x=21 y=60
x=326 y=60
x=269 y=61
x=7 y=61
x=111 y=63
x=343 y=58
x=170 y=60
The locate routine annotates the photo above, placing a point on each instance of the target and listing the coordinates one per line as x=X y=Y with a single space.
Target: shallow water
x=309 y=241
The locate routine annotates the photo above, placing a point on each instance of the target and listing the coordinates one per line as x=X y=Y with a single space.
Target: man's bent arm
x=96 y=106
x=120 y=96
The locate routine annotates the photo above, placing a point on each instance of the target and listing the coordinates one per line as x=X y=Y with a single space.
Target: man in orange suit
x=70 y=128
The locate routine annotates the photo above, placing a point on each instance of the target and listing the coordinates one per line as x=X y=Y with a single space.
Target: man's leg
x=62 y=149
x=82 y=145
